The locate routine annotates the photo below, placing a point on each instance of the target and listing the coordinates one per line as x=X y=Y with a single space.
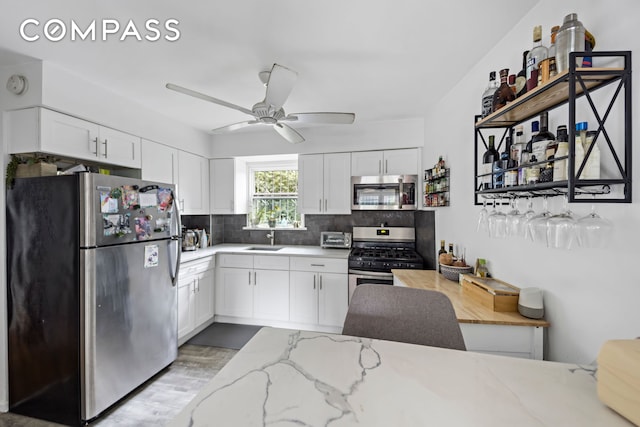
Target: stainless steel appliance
x=190 y=240
x=335 y=239
x=384 y=192
x=378 y=250
x=92 y=264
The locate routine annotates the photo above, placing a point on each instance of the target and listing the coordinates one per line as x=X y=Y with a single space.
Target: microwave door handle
x=401 y=191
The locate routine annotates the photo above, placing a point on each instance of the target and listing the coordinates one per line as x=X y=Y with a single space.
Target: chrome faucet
x=272 y=236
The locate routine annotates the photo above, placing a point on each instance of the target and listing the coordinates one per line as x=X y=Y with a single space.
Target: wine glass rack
x=566 y=88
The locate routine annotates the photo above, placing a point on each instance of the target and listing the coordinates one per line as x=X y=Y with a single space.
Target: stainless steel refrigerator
x=92 y=264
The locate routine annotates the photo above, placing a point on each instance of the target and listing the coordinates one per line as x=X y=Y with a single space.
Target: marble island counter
x=289 y=377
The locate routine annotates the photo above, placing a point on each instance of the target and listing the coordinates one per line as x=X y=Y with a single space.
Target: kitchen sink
x=263 y=248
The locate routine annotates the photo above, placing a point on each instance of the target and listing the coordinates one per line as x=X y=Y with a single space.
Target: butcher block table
x=484 y=330
x=287 y=377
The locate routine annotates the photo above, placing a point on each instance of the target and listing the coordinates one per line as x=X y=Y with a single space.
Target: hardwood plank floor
x=159 y=400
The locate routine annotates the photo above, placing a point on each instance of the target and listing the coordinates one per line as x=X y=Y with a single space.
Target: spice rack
x=566 y=88
x=436 y=188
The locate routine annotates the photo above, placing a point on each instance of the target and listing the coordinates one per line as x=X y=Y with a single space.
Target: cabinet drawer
x=269 y=262
x=196 y=266
x=235 y=261
x=323 y=265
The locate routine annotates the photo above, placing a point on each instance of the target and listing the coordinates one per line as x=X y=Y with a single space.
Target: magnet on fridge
x=143 y=228
x=107 y=203
x=130 y=197
x=150 y=256
x=165 y=199
x=148 y=200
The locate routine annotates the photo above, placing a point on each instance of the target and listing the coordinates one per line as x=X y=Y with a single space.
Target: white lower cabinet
x=195 y=297
x=253 y=287
x=318 y=291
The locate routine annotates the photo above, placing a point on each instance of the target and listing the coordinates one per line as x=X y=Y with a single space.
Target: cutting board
x=619 y=377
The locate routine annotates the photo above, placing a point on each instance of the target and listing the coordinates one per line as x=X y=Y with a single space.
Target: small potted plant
x=29 y=166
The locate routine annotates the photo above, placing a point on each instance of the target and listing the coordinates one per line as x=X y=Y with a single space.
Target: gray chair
x=402 y=314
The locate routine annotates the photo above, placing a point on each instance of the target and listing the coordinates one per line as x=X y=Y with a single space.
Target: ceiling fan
x=279 y=82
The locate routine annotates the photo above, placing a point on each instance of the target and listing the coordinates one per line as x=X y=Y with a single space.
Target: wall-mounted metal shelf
x=566 y=88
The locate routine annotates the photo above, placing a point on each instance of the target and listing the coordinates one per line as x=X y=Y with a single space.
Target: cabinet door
x=119 y=148
x=303 y=294
x=234 y=292
x=401 y=162
x=337 y=184
x=221 y=186
x=68 y=136
x=333 y=299
x=159 y=162
x=193 y=182
x=366 y=163
x=310 y=182
x=271 y=295
x=186 y=315
x=204 y=298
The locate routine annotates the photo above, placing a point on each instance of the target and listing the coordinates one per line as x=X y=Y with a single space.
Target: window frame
x=269 y=165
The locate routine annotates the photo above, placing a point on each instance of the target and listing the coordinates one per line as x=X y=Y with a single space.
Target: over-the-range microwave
x=384 y=192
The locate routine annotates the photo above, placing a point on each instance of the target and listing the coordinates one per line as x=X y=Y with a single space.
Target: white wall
x=590 y=295
x=324 y=139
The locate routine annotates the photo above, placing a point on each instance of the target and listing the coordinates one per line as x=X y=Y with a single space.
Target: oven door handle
x=370 y=273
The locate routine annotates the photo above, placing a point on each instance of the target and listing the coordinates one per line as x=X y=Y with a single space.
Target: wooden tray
x=491 y=293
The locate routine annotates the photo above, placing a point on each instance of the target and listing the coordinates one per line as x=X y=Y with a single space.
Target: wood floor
x=159 y=400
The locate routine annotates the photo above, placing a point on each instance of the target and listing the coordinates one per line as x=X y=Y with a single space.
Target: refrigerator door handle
x=176 y=238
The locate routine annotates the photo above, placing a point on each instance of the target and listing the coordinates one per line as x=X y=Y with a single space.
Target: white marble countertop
x=241 y=248
x=286 y=377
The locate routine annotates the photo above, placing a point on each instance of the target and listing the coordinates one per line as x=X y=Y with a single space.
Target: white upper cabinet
x=324 y=183
x=387 y=162
x=159 y=162
x=193 y=183
x=228 y=185
x=41 y=130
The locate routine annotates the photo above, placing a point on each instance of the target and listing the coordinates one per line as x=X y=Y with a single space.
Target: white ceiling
x=381 y=59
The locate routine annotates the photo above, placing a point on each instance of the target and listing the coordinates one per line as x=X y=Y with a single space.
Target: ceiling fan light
x=264 y=76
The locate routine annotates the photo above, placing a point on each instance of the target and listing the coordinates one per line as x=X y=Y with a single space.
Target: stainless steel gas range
x=377 y=250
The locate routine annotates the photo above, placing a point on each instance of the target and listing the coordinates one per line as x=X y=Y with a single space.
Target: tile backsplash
x=229 y=228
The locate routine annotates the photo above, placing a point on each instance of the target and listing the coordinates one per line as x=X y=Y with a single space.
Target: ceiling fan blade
x=193 y=93
x=280 y=85
x=329 y=118
x=234 y=126
x=288 y=133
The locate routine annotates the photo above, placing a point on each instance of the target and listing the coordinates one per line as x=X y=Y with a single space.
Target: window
x=273 y=194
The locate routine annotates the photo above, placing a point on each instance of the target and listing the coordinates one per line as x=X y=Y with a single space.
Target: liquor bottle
x=487 y=96
x=481 y=269
x=451 y=251
x=511 y=81
x=533 y=171
x=521 y=77
x=504 y=93
x=487 y=163
x=518 y=146
x=542 y=138
x=510 y=177
x=552 y=146
x=578 y=153
x=535 y=128
x=552 y=46
x=560 y=166
x=536 y=54
x=440 y=252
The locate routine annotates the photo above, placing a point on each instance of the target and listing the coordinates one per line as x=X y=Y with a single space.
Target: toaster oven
x=335 y=239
